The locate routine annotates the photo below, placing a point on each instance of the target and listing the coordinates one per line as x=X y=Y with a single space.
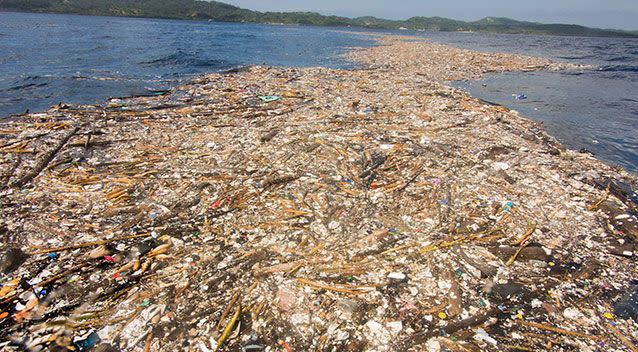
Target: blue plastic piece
x=89 y=342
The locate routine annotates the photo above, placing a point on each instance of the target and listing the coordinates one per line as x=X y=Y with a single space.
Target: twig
x=88 y=141
x=354 y=290
x=412 y=179
x=56 y=164
x=448 y=244
x=435 y=309
x=147 y=343
x=622 y=338
x=522 y=243
x=230 y=305
x=557 y=330
x=46 y=159
x=597 y=204
x=470 y=322
x=23 y=140
x=518 y=348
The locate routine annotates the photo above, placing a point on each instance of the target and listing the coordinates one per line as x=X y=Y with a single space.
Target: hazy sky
x=621 y=14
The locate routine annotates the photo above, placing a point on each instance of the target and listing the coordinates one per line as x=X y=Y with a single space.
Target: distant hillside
x=217 y=11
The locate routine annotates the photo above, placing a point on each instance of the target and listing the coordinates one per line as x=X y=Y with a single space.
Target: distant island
x=217 y=11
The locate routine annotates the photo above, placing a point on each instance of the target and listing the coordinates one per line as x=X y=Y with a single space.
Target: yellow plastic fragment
x=608 y=316
x=442 y=315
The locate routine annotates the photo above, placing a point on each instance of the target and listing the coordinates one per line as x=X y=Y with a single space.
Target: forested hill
x=217 y=11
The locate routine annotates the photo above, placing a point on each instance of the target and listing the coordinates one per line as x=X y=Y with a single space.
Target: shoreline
x=368 y=209
x=597 y=32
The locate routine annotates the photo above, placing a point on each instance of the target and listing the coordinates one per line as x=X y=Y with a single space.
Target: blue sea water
x=594 y=109
x=50 y=58
x=46 y=59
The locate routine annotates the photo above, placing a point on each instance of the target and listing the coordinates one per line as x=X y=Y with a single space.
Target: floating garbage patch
x=281 y=209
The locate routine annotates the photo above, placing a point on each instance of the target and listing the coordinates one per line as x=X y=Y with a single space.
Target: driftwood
x=46 y=159
x=8 y=144
x=4 y=181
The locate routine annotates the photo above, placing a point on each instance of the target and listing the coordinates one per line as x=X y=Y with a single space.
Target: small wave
x=582 y=57
x=572 y=73
x=181 y=58
x=28 y=85
x=619 y=68
x=101 y=78
x=235 y=35
x=601 y=47
x=619 y=58
x=31 y=78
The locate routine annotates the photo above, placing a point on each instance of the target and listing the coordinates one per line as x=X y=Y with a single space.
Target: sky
x=617 y=14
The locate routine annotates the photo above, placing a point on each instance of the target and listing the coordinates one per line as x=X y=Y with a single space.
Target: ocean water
x=593 y=110
x=46 y=59
x=50 y=58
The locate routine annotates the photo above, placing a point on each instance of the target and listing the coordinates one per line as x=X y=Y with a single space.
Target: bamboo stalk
x=229 y=328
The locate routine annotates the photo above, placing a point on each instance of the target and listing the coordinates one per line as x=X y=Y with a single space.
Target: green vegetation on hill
x=217 y=11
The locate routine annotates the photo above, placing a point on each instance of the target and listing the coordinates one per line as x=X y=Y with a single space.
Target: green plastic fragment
x=269 y=98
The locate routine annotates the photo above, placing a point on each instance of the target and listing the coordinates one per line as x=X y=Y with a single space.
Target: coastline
x=337 y=216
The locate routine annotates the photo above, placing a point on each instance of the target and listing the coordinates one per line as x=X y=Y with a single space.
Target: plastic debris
x=627 y=306
x=375 y=209
x=88 y=343
x=269 y=98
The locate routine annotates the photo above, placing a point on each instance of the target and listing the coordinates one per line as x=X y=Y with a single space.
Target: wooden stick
x=46 y=159
x=89 y=244
x=23 y=140
x=448 y=244
x=530 y=230
x=88 y=141
x=622 y=338
x=556 y=330
x=412 y=179
x=522 y=243
x=597 y=204
x=230 y=305
x=435 y=309
x=149 y=338
x=318 y=285
x=518 y=348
